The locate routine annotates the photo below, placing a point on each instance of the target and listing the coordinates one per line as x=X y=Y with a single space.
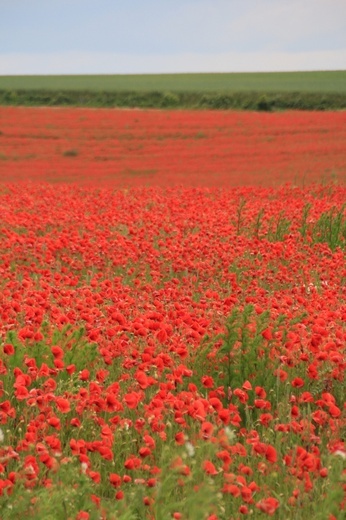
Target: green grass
x=328 y=81
x=246 y=91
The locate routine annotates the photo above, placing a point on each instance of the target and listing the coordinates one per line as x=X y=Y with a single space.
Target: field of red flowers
x=170 y=349
x=158 y=148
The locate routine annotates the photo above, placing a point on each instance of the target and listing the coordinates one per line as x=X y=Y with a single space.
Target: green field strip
x=320 y=81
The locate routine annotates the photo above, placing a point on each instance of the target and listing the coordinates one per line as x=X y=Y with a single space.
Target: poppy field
x=173 y=315
x=168 y=148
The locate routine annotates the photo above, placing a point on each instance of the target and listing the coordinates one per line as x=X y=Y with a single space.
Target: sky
x=170 y=36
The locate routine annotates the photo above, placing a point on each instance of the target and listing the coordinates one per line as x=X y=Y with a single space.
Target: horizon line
x=293 y=71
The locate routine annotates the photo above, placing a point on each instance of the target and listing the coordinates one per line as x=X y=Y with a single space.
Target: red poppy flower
x=268 y=505
x=115 y=480
x=9 y=349
x=63 y=405
x=209 y=468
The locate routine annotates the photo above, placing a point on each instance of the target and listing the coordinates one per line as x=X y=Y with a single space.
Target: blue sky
x=161 y=36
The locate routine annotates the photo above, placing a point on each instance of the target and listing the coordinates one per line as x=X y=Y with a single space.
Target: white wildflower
x=340 y=453
x=231 y=435
x=190 y=449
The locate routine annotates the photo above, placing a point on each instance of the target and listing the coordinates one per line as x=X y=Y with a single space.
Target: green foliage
x=278 y=228
x=68 y=494
x=241 y=354
x=331 y=228
x=240 y=215
x=241 y=100
x=258 y=223
x=304 y=226
x=264 y=104
x=70 y=153
x=77 y=349
x=170 y=100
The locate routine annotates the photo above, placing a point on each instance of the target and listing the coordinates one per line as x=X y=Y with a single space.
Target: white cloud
x=115 y=63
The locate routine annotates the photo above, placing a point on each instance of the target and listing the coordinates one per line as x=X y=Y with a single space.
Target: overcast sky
x=157 y=36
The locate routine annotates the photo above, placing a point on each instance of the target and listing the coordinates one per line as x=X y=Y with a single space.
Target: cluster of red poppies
x=154 y=148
